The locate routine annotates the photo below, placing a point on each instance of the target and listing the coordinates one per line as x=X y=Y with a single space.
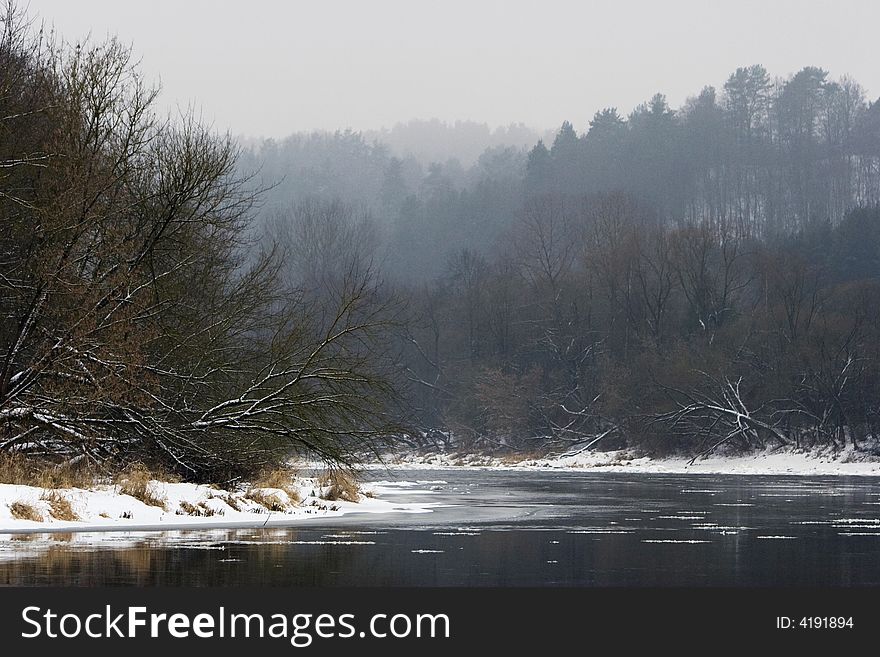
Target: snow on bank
x=768 y=462
x=186 y=506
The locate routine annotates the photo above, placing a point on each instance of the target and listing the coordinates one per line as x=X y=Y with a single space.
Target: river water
x=510 y=528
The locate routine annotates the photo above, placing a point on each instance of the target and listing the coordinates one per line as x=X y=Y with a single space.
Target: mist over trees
x=423 y=210
x=437 y=141
x=761 y=157
x=676 y=280
x=672 y=279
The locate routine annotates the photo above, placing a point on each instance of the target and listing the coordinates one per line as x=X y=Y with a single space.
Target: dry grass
x=208 y=511
x=228 y=498
x=187 y=509
x=18 y=469
x=59 y=507
x=14 y=470
x=201 y=510
x=268 y=501
x=137 y=482
x=519 y=457
x=280 y=478
x=25 y=511
x=339 y=485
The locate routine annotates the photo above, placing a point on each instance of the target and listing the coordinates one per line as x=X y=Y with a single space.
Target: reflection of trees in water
x=61 y=564
x=270 y=557
x=257 y=557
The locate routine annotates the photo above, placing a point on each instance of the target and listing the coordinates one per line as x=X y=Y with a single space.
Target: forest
x=671 y=280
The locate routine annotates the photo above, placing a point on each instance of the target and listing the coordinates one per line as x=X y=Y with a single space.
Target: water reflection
x=503 y=528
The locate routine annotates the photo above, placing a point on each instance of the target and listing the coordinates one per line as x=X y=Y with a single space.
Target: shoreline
x=194 y=506
x=186 y=506
x=786 y=462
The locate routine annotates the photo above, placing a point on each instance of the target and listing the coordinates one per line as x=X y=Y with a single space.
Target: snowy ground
x=186 y=506
x=769 y=462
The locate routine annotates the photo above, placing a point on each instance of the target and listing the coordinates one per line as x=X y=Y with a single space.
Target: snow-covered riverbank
x=769 y=462
x=184 y=506
x=190 y=506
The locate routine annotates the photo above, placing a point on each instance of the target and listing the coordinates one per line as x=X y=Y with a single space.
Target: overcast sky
x=271 y=67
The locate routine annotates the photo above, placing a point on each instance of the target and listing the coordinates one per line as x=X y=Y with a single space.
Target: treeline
x=430 y=141
x=142 y=318
x=762 y=158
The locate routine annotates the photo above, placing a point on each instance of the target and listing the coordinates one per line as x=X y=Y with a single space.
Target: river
x=510 y=528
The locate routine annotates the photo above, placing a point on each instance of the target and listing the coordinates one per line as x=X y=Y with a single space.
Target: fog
x=269 y=68
x=518 y=226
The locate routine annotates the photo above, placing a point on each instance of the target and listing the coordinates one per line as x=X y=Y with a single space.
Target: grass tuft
x=339 y=485
x=266 y=500
x=59 y=507
x=229 y=498
x=201 y=510
x=207 y=511
x=25 y=511
x=187 y=509
x=137 y=482
x=280 y=478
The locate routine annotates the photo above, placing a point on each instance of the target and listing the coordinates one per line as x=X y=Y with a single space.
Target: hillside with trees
x=675 y=280
x=672 y=279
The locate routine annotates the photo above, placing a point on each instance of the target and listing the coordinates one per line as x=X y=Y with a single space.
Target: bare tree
x=139 y=320
x=710 y=272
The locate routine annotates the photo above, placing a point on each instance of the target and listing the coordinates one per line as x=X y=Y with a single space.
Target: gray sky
x=271 y=67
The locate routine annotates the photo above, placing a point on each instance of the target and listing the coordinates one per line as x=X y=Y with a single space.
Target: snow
x=787 y=461
x=105 y=508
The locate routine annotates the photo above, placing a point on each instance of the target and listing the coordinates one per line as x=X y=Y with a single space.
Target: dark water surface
x=511 y=528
